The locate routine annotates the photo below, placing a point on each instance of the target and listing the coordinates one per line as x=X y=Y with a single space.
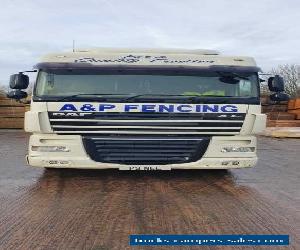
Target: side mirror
x=18 y=81
x=276 y=84
x=17 y=94
x=279 y=97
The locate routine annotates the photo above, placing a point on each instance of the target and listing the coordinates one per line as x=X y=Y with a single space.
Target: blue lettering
x=148 y=108
x=128 y=107
x=163 y=108
x=198 y=108
x=103 y=107
x=229 y=108
x=180 y=108
x=87 y=107
x=207 y=108
x=68 y=107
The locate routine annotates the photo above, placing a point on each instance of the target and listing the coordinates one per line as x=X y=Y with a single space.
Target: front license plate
x=145 y=168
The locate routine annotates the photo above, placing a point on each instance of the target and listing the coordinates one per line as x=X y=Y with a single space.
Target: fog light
x=50 y=148
x=237 y=149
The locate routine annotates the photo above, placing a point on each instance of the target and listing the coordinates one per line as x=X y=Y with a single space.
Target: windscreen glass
x=65 y=83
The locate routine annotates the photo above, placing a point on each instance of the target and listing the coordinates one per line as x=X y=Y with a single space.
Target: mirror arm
x=28 y=71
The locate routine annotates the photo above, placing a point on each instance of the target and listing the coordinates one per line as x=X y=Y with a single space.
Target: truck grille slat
x=136 y=145
x=174 y=123
x=149 y=115
x=140 y=122
x=149 y=129
x=145 y=154
x=117 y=132
x=61 y=127
x=138 y=150
x=141 y=142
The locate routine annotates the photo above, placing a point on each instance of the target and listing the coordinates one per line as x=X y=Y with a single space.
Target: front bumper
x=78 y=158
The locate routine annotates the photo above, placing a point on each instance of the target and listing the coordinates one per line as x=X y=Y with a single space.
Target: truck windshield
x=63 y=83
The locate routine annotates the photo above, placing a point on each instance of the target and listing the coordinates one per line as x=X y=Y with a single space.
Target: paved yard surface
x=99 y=209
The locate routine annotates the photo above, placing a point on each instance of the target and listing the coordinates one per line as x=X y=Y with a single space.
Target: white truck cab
x=143 y=109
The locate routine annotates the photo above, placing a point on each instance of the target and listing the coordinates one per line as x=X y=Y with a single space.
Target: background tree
x=3 y=89
x=290 y=74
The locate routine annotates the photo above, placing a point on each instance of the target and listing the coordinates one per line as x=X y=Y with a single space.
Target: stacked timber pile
x=11 y=113
x=286 y=114
x=294 y=108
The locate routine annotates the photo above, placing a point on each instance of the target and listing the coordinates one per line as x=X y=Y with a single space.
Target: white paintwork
x=137 y=107
x=37 y=120
x=107 y=56
x=78 y=158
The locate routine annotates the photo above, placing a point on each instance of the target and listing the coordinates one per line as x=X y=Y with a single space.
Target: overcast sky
x=265 y=29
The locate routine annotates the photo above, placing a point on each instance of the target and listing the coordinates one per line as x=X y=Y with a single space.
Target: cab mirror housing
x=18 y=81
x=229 y=79
x=17 y=94
x=279 y=97
x=276 y=84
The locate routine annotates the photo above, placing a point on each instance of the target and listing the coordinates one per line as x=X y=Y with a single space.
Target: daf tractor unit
x=144 y=109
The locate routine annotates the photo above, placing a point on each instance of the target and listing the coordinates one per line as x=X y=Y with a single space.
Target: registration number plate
x=145 y=168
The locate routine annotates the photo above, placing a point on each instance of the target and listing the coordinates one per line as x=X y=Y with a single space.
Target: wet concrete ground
x=99 y=209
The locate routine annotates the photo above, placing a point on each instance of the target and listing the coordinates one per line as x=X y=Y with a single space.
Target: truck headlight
x=237 y=149
x=50 y=148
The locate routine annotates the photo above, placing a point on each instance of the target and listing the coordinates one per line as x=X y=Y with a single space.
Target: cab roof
x=146 y=57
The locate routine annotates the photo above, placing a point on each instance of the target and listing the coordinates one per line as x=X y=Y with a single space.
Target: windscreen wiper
x=232 y=74
x=203 y=96
x=160 y=95
x=80 y=95
x=180 y=95
x=190 y=97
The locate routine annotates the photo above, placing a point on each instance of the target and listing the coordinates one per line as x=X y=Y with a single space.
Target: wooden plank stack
x=11 y=113
x=294 y=108
x=283 y=115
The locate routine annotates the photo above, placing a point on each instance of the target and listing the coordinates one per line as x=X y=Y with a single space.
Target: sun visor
x=53 y=66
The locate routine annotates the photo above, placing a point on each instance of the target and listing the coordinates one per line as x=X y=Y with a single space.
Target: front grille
x=147 y=150
x=206 y=124
x=146 y=138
